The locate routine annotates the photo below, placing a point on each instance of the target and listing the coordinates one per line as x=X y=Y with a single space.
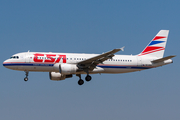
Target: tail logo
x=154 y=45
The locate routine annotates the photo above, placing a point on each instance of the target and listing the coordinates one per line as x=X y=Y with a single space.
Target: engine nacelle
x=67 y=68
x=56 y=76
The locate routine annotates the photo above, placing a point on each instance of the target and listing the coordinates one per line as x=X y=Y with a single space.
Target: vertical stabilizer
x=157 y=45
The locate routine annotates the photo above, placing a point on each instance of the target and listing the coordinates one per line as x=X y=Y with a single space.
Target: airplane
x=64 y=65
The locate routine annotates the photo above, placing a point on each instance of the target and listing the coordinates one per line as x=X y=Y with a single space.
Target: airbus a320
x=64 y=65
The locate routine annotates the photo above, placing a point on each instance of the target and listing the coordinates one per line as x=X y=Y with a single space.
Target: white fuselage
x=49 y=62
x=64 y=65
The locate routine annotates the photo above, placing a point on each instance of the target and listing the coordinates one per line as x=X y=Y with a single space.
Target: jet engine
x=65 y=68
x=68 y=68
x=56 y=76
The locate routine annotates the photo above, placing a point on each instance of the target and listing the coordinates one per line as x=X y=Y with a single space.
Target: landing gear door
x=139 y=61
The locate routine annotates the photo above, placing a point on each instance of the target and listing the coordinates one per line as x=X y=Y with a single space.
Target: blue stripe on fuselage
x=102 y=66
x=26 y=64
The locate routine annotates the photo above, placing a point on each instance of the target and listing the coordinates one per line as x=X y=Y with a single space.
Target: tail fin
x=157 y=45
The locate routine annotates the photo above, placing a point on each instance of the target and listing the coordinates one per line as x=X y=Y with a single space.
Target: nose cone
x=9 y=64
x=5 y=63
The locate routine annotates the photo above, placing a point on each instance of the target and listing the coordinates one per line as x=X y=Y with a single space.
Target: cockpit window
x=14 y=57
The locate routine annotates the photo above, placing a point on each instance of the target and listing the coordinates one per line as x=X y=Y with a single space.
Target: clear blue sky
x=92 y=26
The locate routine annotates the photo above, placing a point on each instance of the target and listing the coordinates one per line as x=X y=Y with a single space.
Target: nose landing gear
x=26 y=78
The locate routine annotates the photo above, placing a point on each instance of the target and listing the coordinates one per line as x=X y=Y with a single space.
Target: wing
x=91 y=63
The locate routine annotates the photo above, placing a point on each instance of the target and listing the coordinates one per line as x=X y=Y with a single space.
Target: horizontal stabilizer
x=163 y=59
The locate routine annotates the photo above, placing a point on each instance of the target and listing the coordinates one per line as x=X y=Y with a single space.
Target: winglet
x=122 y=48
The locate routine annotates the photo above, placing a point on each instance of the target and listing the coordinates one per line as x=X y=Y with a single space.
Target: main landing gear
x=87 y=78
x=26 y=78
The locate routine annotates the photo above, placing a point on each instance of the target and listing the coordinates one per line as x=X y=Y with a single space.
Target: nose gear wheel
x=26 y=78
